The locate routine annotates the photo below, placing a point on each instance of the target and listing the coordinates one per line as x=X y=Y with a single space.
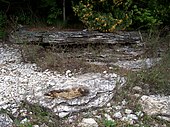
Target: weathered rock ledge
x=74 y=37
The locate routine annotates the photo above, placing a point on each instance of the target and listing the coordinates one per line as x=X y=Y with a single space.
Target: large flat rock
x=101 y=90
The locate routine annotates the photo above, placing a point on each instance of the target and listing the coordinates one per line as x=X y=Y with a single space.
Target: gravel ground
x=17 y=79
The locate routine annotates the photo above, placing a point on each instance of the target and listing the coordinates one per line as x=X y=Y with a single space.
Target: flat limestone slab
x=101 y=90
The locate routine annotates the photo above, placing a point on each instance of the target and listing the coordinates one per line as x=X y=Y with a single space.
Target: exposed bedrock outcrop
x=74 y=37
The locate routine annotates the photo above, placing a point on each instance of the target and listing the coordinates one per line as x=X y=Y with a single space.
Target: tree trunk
x=64 y=11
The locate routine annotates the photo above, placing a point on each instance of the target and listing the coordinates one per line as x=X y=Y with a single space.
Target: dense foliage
x=102 y=15
x=148 y=14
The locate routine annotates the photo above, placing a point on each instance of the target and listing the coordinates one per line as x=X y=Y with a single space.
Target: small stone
x=124 y=102
x=140 y=113
x=14 y=111
x=128 y=111
x=43 y=125
x=115 y=75
x=104 y=72
x=23 y=112
x=24 y=120
x=88 y=122
x=68 y=73
x=108 y=117
x=137 y=89
x=108 y=109
x=71 y=119
x=137 y=95
x=110 y=68
x=117 y=107
x=108 y=104
x=63 y=114
x=118 y=115
x=132 y=116
x=94 y=112
x=99 y=117
x=35 y=126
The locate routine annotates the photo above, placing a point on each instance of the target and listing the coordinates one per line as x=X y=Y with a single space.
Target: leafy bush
x=145 y=17
x=105 y=16
x=53 y=11
x=148 y=14
x=22 y=17
x=53 y=15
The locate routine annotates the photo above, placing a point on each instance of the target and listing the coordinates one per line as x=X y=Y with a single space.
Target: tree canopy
x=102 y=15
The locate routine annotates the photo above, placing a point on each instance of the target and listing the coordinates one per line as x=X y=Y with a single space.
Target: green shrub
x=148 y=14
x=53 y=15
x=23 y=18
x=145 y=18
x=54 y=12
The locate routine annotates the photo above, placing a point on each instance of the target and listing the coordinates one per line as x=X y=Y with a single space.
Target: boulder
x=88 y=122
x=155 y=105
